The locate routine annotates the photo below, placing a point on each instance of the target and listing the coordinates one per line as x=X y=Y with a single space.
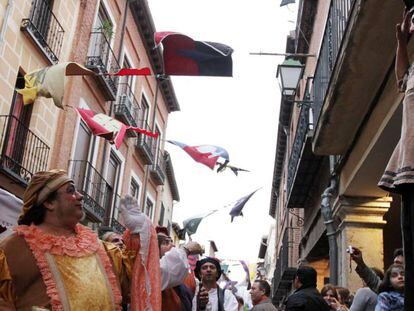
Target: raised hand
x=357 y=256
x=403 y=29
x=130 y=210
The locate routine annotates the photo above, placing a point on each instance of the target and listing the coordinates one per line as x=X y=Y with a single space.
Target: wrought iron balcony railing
x=22 y=153
x=302 y=129
x=114 y=222
x=127 y=108
x=44 y=29
x=117 y=227
x=336 y=24
x=102 y=60
x=98 y=194
x=144 y=145
x=158 y=168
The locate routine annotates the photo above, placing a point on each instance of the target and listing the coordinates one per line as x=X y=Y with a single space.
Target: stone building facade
x=102 y=35
x=333 y=147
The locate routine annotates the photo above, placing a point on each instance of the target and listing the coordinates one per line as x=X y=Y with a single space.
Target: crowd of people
x=379 y=291
x=53 y=262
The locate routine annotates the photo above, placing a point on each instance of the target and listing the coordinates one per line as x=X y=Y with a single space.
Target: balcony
x=44 y=29
x=117 y=227
x=284 y=271
x=101 y=59
x=352 y=65
x=158 y=169
x=127 y=108
x=98 y=195
x=144 y=146
x=303 y=164
x=22 y=153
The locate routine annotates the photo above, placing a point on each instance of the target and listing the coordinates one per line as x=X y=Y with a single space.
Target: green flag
x=191 y=224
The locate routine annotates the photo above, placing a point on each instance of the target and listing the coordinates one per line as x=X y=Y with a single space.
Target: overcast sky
x=239 y=114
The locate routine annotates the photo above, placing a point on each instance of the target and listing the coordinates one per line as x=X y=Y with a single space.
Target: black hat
x=201 y=262
x=409 y=3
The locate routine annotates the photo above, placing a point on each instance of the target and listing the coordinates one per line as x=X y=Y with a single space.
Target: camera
x=349 y=249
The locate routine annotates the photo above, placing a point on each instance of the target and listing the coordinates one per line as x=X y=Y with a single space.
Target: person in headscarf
x=306 y=297
x=54 y=262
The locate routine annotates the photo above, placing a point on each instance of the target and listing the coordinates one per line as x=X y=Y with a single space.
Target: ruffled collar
x=84 y=243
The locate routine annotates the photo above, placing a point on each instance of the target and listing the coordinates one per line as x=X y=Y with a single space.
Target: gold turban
x=41 y=186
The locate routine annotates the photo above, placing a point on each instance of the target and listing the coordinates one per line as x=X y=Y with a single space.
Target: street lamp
x=289 y=73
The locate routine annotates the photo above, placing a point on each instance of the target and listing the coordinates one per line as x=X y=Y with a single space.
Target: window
x=100 y=44
x=162 y=214
x=134 y=189
x=144 y=113
x=156 y=146
x=19 y=120
x=149 y=207
x=129 y=80
x=83 y=148
x=103 y=23
x=40 y=15
x=81 y=166
x=112 y=178
x=44 y=29
x=23 y=153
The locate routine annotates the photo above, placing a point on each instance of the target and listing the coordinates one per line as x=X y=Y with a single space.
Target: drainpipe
x=331 y=231
x=111 y=105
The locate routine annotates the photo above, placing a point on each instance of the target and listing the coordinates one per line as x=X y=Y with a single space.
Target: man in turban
x=54 y=262
x=209 y=295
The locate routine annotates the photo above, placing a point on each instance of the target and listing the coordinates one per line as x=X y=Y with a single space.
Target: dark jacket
x=306 y=299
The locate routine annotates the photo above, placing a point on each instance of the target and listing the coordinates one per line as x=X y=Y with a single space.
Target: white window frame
x=149 y=196
x=121 y=158
x=134 y=177
x=95 y=141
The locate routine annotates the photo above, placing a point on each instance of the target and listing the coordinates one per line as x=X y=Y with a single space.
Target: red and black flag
x=185 y=57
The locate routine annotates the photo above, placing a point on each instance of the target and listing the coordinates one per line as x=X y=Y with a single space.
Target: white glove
x=130 y=210
x=137 y=222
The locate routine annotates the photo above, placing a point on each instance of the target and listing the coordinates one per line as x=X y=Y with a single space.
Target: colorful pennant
x=50 y=82
x=185 y=57
x=109 y=128
x=204 y=154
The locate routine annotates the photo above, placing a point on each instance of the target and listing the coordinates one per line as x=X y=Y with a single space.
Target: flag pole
x=147 y=167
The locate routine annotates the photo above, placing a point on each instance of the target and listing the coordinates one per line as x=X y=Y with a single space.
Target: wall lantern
x=289 y=73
